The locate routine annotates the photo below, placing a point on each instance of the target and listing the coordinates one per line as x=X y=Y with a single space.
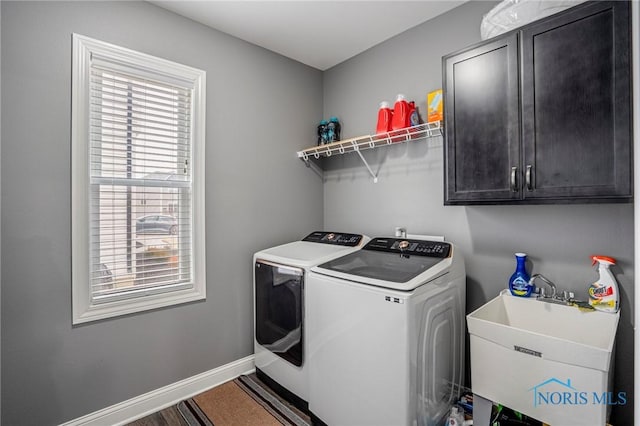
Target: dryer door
x=279 y=309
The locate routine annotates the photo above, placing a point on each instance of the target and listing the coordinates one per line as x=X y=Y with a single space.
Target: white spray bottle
x=603 y=294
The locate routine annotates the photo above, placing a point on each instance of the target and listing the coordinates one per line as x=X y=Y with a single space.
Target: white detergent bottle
x=456 y=417
x=603 y=294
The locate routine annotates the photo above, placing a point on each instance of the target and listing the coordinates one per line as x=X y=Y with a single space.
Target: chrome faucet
x=548 y=282
x=566 y=298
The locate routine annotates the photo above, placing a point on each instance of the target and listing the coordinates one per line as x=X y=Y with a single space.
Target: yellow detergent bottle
x=603 y=294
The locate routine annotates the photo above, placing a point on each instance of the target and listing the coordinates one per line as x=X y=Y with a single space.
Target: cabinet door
x=481 y=153
x=576 y=104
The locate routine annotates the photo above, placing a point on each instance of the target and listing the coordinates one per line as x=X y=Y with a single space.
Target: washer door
x=279 y=309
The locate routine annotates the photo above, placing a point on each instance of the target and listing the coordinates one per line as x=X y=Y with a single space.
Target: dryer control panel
x=413 y=247
x=336 y=238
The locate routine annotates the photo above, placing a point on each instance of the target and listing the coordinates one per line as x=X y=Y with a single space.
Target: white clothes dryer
x=279 y=277
x=386 y=334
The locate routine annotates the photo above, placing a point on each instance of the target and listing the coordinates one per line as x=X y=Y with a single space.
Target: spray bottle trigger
x=598 y=258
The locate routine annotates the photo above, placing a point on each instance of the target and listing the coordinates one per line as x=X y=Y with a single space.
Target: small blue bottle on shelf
x=519 y=281
x=333 y=130
x=322 y=132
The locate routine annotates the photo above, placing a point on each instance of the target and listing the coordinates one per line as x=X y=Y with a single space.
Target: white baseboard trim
x=143 y=405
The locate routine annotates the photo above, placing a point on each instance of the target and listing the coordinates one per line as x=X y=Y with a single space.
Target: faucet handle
x=542 y=292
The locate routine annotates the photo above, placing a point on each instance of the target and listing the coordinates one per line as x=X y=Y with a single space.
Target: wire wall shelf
x=361 y=143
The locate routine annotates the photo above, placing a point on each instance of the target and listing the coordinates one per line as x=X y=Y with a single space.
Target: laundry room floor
x=170 y=416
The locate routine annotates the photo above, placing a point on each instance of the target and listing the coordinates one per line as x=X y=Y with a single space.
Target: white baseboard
x=143 y=405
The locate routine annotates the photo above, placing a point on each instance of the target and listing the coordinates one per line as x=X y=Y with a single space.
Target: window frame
x=83 y=308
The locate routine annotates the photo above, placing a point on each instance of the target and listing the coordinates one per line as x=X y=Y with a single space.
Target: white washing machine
x=279 y=308
x=386 y=334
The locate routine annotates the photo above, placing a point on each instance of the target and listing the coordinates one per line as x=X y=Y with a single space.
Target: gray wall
x=259 y=106
x=558 y=238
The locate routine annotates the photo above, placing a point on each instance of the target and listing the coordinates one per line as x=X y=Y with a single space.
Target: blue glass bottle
x=519 y=281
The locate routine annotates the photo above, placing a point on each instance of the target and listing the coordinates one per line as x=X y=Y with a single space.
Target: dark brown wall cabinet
x=542 y=114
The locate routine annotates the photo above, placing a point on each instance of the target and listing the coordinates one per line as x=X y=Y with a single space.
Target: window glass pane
x=136 y=134
x=139 y=238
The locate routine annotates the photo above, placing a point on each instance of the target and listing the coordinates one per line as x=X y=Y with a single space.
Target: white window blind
x=143 y=204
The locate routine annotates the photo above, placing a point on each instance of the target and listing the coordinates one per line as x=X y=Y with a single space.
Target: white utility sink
x=523 y=349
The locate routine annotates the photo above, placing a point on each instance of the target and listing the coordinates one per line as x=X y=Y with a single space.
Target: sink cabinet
x=542 y=114
x=524 y=350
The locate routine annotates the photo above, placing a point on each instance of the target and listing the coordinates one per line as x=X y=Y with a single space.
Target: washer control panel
x=336 y=238
x=413 y=247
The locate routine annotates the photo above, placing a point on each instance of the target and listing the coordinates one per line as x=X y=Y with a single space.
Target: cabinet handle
x=527 y=178
x=514 y=175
